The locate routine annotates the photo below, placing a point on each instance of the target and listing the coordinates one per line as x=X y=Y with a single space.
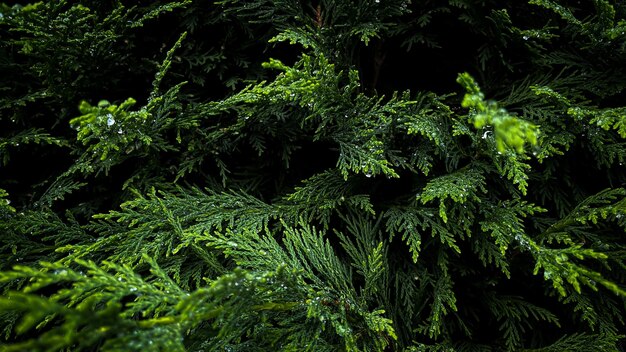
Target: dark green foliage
x=313 y=175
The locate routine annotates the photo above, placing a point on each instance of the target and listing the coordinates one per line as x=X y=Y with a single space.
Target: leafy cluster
x=313 y=175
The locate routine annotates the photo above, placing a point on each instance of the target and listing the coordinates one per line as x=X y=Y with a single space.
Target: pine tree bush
x=326 y=175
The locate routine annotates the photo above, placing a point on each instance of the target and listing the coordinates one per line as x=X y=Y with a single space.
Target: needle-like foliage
x=186 y=175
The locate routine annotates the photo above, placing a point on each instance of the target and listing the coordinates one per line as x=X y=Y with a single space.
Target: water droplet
x=368 y=174
x=547 y=275
x=526 y=37
x=110 y=120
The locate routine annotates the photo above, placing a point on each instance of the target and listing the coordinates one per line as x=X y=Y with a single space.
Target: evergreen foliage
x=393 y=175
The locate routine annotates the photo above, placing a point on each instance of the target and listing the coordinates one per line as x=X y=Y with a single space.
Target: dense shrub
x=371 y=175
